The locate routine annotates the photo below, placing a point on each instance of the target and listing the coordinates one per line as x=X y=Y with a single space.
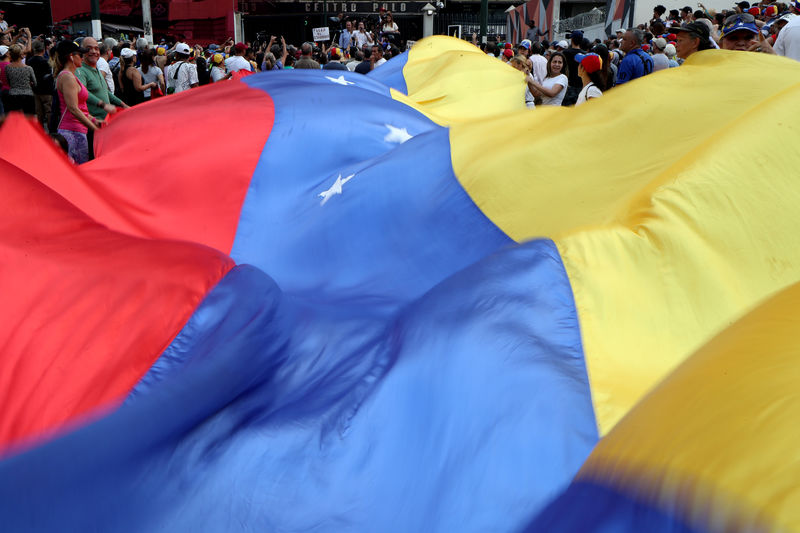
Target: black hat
x=66 y=48
x=686 y=9
x=695 y=29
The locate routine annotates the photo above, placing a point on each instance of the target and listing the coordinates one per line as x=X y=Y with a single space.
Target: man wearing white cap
x=182 y=75
x=788 y=42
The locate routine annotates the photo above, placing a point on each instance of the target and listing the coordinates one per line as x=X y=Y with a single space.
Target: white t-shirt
x=380 y=62
x=390 y=27
x=105 y=70
x=362 y=38
x=788 y=42
x=217 y=74
x=539 y=68
x=237 y=63
x=590 y=91
x=549 y=83
x=187 y=76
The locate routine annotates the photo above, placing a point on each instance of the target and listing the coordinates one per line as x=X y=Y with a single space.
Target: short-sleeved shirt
x=549 y=83
x=590 y=91
x=237 y=63
x=186 y=76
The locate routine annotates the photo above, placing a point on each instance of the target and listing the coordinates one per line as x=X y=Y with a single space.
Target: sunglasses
x=746 y=18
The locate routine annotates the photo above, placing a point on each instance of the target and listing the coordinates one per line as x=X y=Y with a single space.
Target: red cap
x=508 y=53
x=754 y=11
x=240 y=47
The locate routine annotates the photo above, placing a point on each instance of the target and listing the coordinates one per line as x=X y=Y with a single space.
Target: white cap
x=3 y=50
x=127 y=53
x=183 y=48
x=562 y=44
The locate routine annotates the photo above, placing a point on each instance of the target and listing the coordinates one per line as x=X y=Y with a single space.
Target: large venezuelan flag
x=403 y=302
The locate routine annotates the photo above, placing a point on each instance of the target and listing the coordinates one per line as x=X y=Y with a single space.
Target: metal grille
x=470 y=23
x=590 y=18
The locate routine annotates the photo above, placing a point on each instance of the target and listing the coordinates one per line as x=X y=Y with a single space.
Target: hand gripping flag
x=274 y=311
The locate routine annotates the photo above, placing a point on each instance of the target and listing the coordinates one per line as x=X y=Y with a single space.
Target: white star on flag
x=340 y=80
x=397 y=135
x=336 y=188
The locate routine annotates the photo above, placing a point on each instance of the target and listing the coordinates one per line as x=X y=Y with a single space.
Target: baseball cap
x=508 y=53
x=127 y=53
x=576 y=34
x=161 y=51
x=526 y=44
x=696 y=29
x=217 y=59
x=183 y=48
x=589 y=62
x=240 y=47
x=3 y=50
x=754 y=11
x=771 y=11
x=562 y=44
x=738 y=22
x=660 y=43
x=743 y=5
x=670 y=50
x=686 y=9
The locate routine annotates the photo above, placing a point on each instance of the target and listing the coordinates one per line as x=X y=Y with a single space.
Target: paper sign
x=321 y=34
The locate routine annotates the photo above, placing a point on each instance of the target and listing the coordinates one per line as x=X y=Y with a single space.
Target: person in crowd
x=671 y=54
x=181 y=75
x=533 y=33
x=788 y=42
x=366 y=65
x=377 y=57
x=691 y=37
x=739 y=32
x=571 y=68
x=161 y=59
x=636 y=63
x=590 y=67
x=389 y=25
x=658 y=13
x=104 y=67
x=43 y=92
x=554 y=87
x=334 y=60
x=130 y=79
x=279 y=52
x=608 y=72
x=346 y=37
x=362 y=36
x=151 y=75
x=21 y=81
x=357 y=59
x=4 y=29
x=218 y=72
x=660 y=60
x=100 y=100
x=237 y=61
x=687 y=15
x=75 y=119
x=306 y=60
x=520 y=63
x=538 y=62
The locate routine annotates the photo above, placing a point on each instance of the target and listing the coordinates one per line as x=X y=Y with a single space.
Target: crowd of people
x=71 y=86
x=573 y=70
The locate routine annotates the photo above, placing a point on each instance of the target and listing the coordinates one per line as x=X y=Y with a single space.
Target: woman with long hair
x=590 y=69
x=150 y=73
x=130 y=79
x=554 y=86
x=74 y=120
